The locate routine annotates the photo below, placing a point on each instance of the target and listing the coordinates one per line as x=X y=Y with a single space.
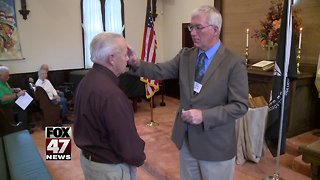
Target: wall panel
x=242 y=14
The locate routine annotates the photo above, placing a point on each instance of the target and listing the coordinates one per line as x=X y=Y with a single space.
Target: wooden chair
x=50 y=111
x=8 y=123
x=33 y=109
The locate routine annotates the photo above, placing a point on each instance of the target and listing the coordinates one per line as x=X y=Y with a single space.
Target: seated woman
x=8 y=96
x=52 y=93
x=50 y=77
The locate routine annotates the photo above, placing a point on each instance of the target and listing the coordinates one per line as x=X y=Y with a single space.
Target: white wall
x=175 y=13
x=52 y=33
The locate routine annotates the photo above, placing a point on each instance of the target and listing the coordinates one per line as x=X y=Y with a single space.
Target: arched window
x=99 y=16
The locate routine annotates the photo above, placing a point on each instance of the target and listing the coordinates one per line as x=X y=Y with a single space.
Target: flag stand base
x=274 y=177
x=152 y=124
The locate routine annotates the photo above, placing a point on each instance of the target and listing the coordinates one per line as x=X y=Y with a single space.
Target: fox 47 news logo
x=58 y=143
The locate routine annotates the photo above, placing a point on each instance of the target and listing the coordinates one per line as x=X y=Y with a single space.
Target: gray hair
x=104 y=44
x=3 y=69
x=44 y=67
x=214 y=16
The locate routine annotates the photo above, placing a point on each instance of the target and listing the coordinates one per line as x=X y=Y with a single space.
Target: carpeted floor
x=162 y=156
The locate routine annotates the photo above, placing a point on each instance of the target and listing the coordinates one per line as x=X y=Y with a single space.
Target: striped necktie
x=200 y=68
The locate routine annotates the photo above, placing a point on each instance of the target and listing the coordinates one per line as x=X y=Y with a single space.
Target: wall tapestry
x=10 y=48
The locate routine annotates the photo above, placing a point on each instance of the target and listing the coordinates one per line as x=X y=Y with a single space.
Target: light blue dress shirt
x=210 y=54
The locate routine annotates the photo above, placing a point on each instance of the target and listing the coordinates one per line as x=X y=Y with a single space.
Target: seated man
x=8 y=96
x=52 y=94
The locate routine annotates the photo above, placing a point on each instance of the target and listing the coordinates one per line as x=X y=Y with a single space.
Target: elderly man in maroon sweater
x=104 y=128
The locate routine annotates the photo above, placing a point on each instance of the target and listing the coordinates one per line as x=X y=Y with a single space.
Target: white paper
x=262 y=63
x=24 y=101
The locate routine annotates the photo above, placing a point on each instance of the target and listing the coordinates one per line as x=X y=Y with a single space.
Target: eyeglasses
x=197 y=27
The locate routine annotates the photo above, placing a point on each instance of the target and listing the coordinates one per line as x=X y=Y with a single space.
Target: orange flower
x=276 y=24
x=269 y=33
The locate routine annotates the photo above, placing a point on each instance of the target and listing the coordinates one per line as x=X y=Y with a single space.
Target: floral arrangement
x=269 y=33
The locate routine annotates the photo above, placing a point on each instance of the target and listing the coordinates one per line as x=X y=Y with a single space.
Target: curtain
x=92 y=25
x=113 y=17
x=93 y=22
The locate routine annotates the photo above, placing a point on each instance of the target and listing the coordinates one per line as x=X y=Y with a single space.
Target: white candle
x=247 y=43
x=300 y=35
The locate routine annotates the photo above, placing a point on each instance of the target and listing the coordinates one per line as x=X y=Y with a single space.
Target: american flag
x=148 y=53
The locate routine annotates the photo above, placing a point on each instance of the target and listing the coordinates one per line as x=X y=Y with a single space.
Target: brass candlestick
x=298 y=60
x=246 y=54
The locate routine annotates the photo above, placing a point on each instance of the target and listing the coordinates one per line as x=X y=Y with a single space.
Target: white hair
x=214 y=16
x=104 y=44
x=3 y=69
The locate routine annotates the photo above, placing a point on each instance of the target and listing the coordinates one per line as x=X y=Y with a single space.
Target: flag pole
x=152 y=123
x=276 y=175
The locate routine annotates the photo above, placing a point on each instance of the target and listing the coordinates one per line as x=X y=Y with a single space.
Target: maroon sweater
x=104 y=128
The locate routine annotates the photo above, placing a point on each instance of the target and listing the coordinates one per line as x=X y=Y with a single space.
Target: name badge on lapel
x=197 y=87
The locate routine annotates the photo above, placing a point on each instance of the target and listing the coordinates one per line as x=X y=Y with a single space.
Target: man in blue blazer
x=204 y=129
